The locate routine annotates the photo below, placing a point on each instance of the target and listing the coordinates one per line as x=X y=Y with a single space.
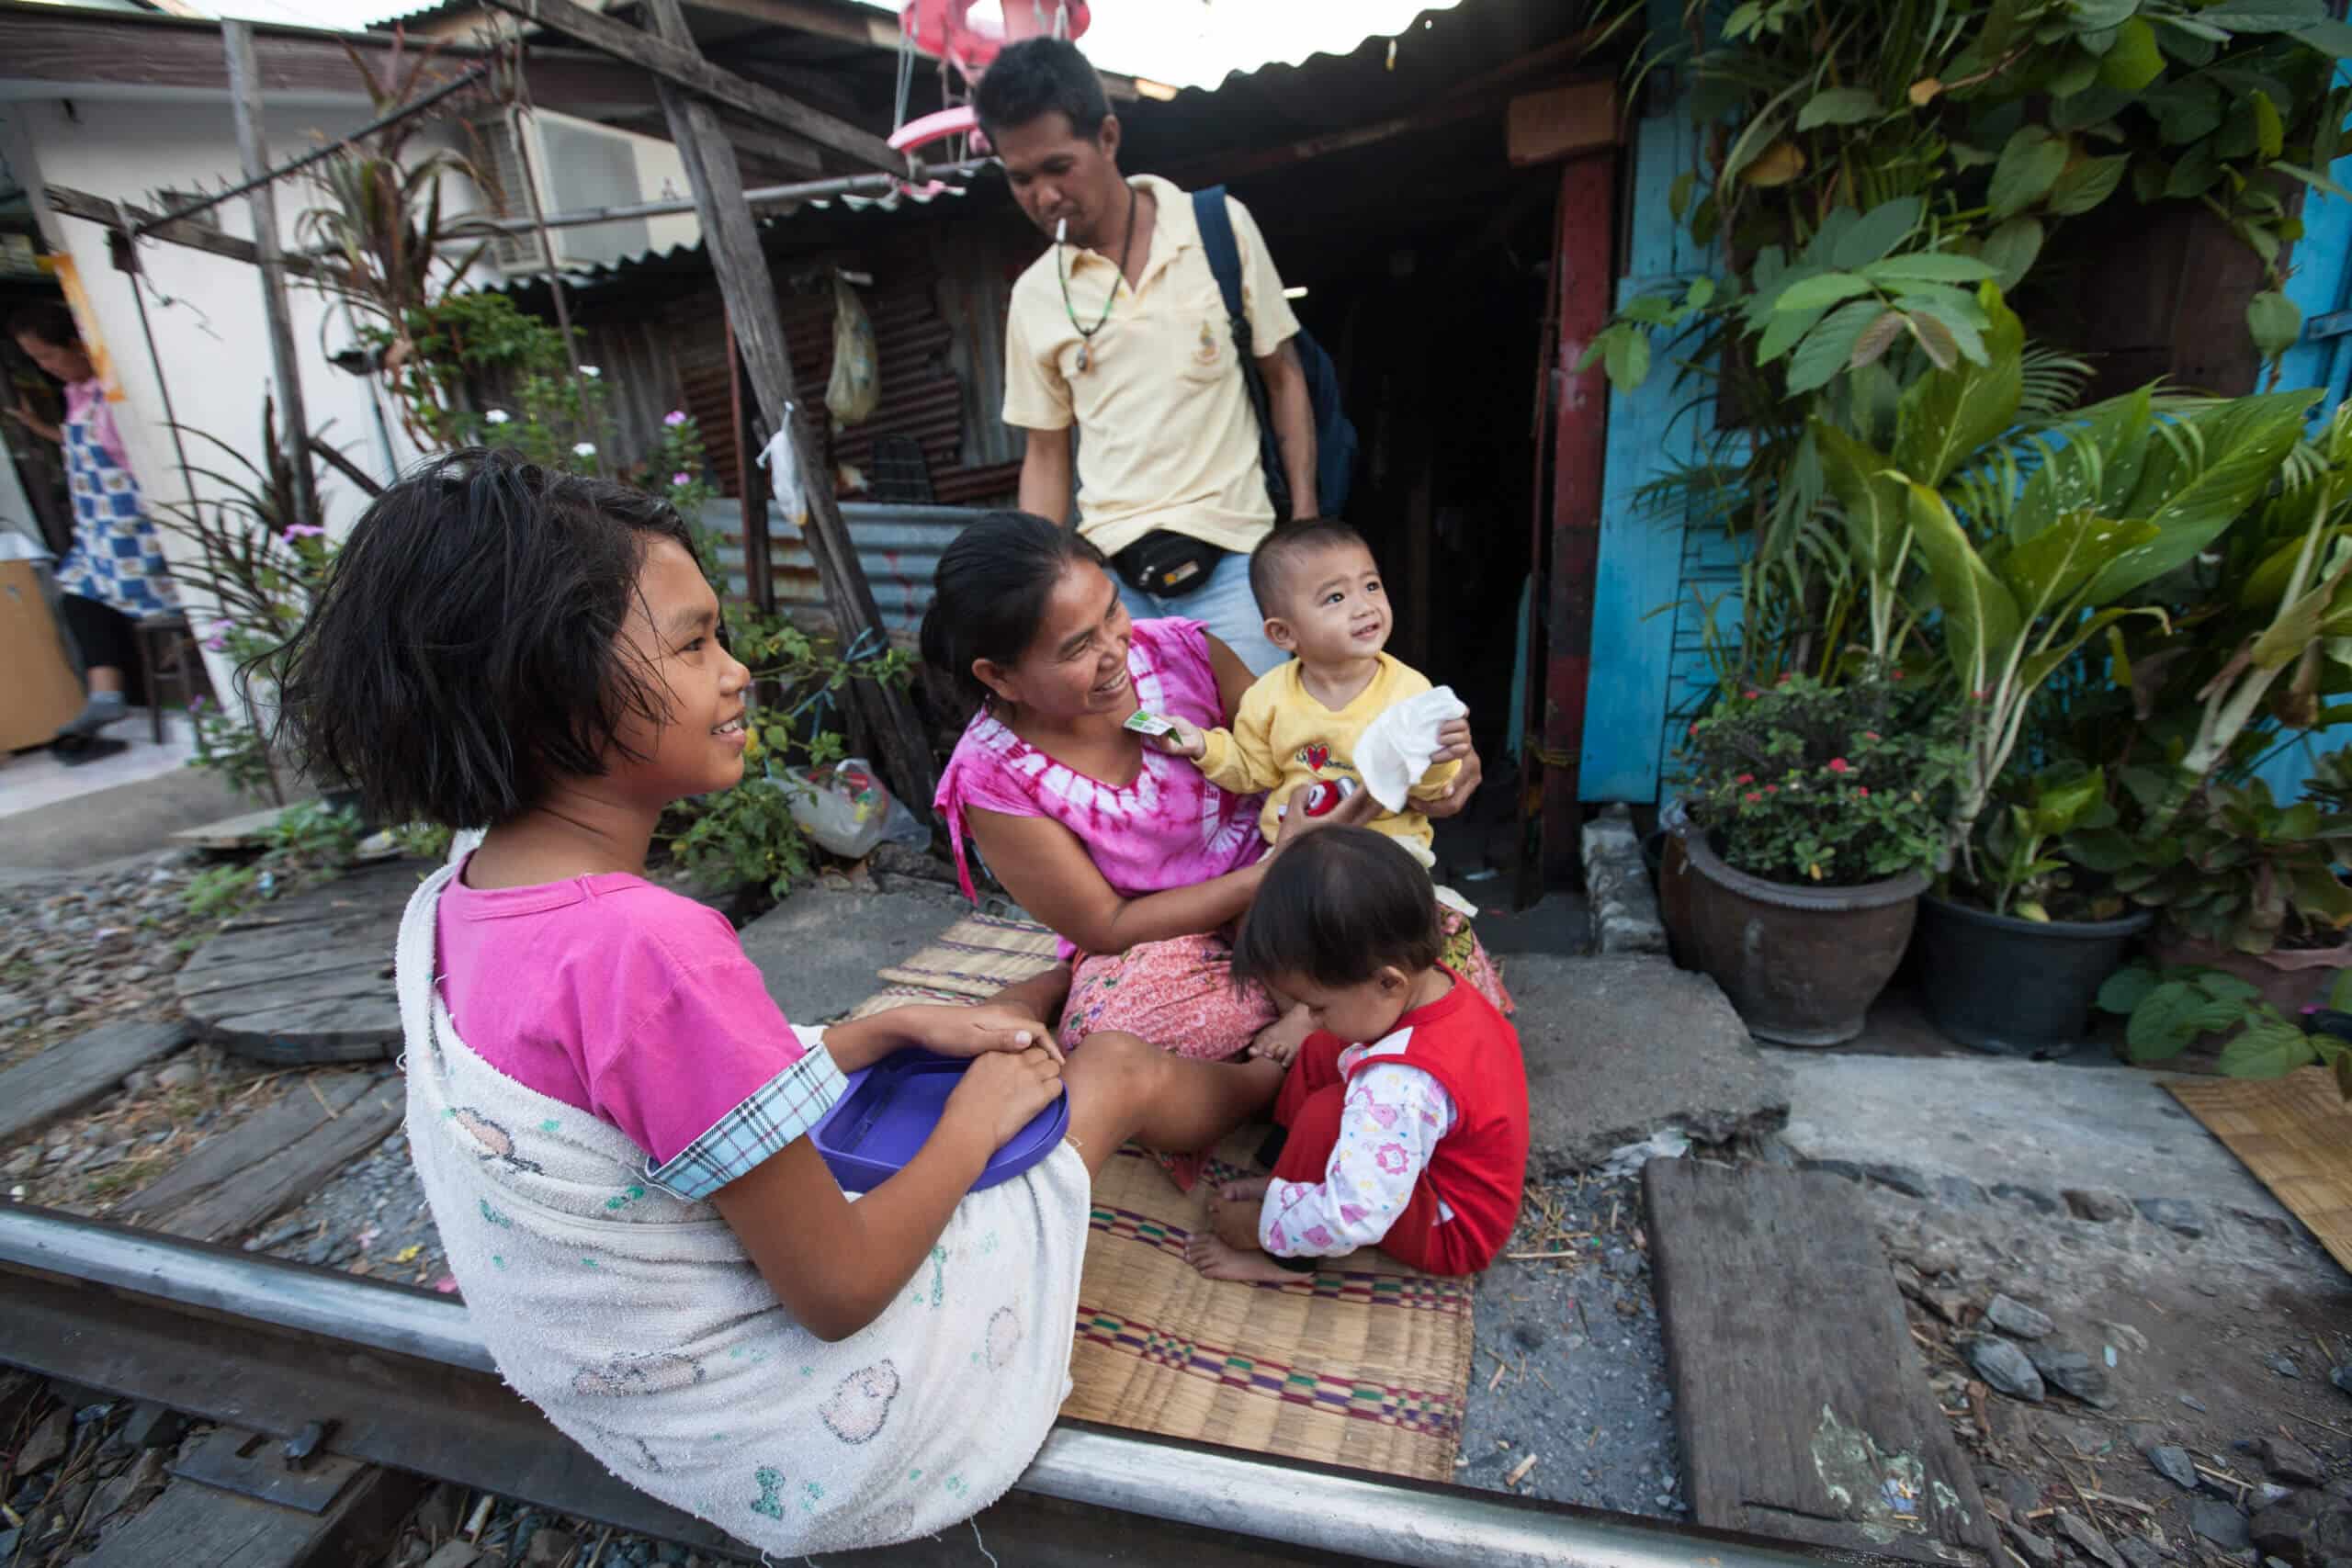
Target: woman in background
x=116 y=572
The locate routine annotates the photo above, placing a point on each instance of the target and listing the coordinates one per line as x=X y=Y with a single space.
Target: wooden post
x=749 y=292
x=1580 y=404
x=252 y=152
x=752 y=486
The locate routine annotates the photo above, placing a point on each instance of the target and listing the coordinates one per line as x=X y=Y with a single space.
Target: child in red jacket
x=1404 y=1117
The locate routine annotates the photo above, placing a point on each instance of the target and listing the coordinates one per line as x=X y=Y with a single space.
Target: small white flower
x=496 y=416
x=590 y=371
x=585 y=449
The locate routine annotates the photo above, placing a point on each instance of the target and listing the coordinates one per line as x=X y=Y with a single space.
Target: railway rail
x=394 y=1376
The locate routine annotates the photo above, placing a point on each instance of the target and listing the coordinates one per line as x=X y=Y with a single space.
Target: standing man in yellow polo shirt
x=1119 y=329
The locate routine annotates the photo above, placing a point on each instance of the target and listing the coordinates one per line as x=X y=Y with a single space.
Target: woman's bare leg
x=1121 y=1086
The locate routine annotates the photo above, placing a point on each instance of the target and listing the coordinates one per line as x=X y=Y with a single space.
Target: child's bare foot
x=1234 y=1218
x=1214 y=1259
x=1279 y=1040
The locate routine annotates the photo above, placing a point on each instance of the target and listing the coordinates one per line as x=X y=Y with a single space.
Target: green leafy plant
x=1800 y=782
x=478 y=347
x=2027 y=865
x=1995 y=120
x=2171 y=1009
x=2237 y=869
x=220 y=891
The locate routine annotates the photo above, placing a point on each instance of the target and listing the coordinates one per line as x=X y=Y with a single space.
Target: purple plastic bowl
x=889 y=1109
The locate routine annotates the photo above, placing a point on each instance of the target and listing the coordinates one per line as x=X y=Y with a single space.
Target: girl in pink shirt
x=502 y=643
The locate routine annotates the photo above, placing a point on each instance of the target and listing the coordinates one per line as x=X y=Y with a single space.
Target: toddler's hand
x=1185 y=739
x=1001 y=1091
x=977 y=1031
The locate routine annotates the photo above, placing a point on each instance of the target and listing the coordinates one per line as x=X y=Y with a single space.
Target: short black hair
x=50 y=322
x=1035 y=77
x=988 y=593
x=1271 y=562
x=465 y=650
x=1335 y=907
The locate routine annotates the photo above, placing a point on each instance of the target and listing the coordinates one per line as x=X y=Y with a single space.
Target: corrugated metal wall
x=899 y=547
x=937 y=307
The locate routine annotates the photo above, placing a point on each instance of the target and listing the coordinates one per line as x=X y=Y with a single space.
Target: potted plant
x=2018 y=973
x=1816 y=811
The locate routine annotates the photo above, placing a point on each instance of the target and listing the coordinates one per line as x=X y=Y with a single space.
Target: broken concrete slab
x=2028 y=1129
x=819 y=949
x=1625 y=917
x=1619 y=1047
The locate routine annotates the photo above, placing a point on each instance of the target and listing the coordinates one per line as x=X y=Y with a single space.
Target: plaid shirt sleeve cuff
x=784 y=1108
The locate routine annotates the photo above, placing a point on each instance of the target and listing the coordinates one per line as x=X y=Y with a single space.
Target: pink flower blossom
x=675 y=418
x=1898 y=674
x=682 y=478
x=1694 y=730
x=1751 y=797
x=1864 y=792
x=1744 y=778
x=1840 y=766
x=1772 y=789
x=1869 y=735
x=303 y=530
x=1782 y=681
x=1752 y=693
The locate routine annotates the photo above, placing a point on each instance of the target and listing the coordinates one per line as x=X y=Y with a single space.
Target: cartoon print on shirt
x=653 y=1372
x=859 y=1408
x=497 y=1142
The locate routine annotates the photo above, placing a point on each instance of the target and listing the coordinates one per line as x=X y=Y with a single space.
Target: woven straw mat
x=2294 y=1132
x=1367 y=1365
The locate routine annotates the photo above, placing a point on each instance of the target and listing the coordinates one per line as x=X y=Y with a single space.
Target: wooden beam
x=1583 y=223
x=1560 y=122
x=732 y=238
x=679 y=65
x=64 y=45
x=71 y=203
x=294 y=423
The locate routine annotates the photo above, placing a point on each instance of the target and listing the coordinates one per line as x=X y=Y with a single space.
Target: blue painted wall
x=1640 y=657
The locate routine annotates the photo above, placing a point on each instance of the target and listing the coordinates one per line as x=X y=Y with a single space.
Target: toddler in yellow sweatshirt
x=1295 y=733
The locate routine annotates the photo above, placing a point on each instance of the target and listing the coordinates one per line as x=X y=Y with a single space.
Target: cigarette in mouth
x=1061 y=232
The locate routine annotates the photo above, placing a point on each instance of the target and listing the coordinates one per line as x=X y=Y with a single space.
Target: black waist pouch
x=1168 y=566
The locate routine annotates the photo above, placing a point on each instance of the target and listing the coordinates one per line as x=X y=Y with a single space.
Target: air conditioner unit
x=578 y=165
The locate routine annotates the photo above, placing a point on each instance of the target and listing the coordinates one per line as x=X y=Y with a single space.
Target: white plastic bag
x=856 y=385
x=783 y=464
x=842 y=806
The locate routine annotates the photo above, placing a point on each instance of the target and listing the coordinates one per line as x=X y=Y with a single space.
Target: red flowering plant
x=1808 y=783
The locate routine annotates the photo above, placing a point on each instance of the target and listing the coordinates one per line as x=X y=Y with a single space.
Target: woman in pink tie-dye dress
x=1137 y=861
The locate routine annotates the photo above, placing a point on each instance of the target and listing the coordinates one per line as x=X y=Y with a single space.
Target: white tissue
x=1396 y=747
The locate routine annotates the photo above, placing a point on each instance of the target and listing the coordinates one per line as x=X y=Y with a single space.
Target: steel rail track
x=399 y=1379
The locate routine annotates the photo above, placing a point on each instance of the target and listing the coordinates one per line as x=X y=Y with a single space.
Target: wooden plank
x=1800 y=1402
x=273 y=1160
x=246 y=830
x=1581 y=256
x=73 y=1073
x=1560 y=122
x=73 y=46
x=293 y=422
x=182 y=232
x=305 y=978
x=677 y=64
x=748 y=290
x=196 y=1525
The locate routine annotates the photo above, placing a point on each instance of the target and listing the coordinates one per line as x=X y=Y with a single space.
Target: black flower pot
x=2016 y=988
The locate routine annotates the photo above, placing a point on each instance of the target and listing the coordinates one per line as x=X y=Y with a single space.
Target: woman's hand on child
x=1185 y=739
x=1001 y=1091
x=980 y=1030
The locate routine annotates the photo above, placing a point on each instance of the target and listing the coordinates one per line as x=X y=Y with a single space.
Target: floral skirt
x=1179 y=994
